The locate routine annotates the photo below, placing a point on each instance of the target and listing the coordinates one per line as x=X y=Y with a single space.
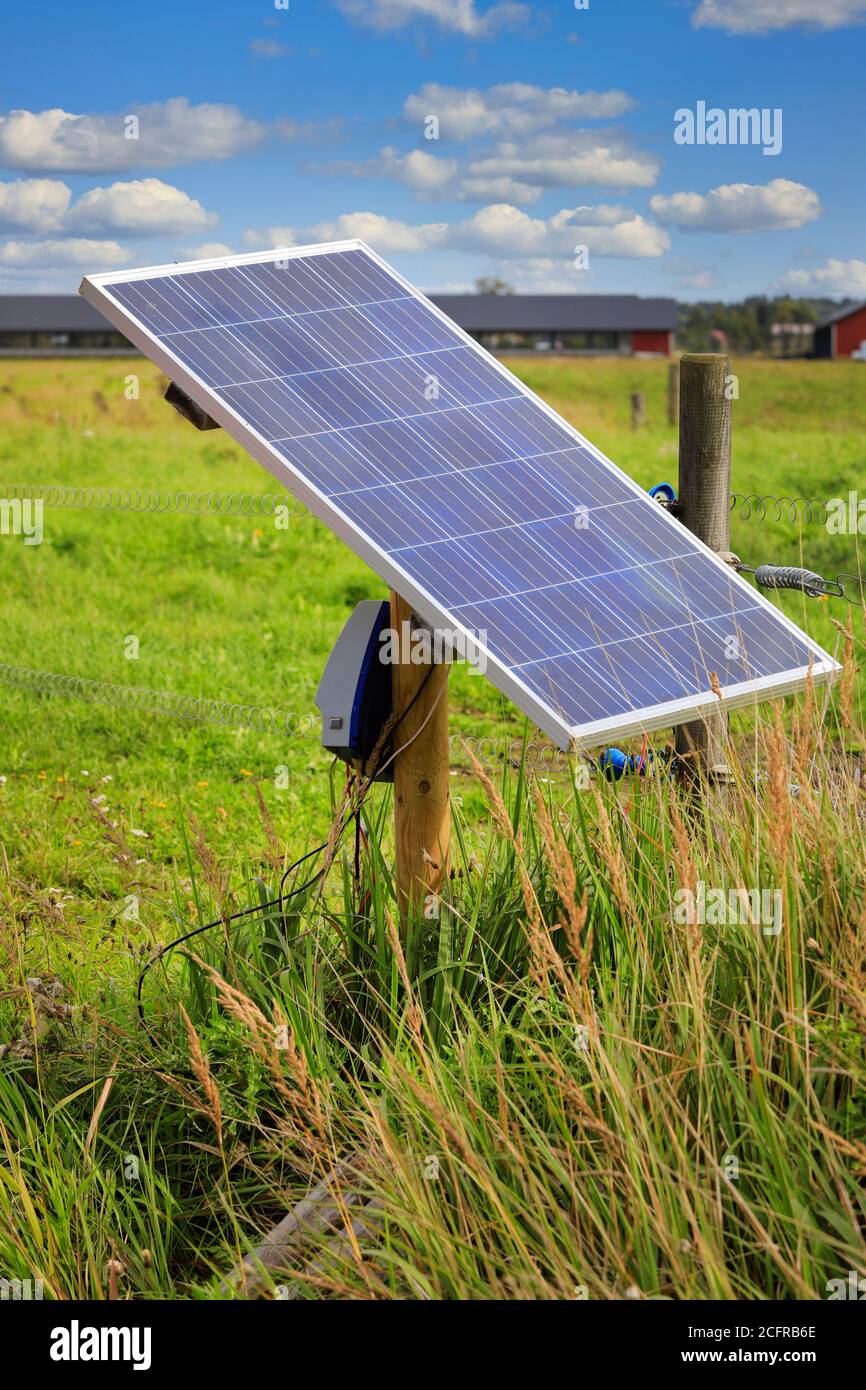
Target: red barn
x=843 y=334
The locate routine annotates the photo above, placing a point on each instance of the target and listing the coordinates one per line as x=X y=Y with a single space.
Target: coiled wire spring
x=133 y=500
x=769 y=507
x=166 y=704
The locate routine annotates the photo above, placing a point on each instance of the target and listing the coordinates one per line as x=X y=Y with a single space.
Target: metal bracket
x=187 y=407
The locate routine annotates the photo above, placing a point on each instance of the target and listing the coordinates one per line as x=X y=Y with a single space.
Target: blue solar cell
x=468 y=495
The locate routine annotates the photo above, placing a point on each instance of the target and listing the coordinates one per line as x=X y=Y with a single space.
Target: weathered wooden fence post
x=704 y=496
x=638 y=412
x=422 y=788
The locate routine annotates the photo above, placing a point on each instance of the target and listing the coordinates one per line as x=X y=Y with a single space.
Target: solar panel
x=594 y=610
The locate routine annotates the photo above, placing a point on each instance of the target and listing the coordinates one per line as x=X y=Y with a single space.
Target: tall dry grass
x=567 y=1086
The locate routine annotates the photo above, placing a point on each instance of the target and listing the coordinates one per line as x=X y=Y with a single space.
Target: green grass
x=223 y=607
x=233 y=608
x=582 y=1082
x=564 y=1093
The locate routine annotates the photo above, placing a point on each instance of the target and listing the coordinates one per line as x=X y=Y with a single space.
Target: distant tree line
x=747 y=325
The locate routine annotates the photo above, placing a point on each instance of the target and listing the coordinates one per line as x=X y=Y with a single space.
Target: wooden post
x=638 y=414
x=674 y=393
x=704 y=494
x=422 y=787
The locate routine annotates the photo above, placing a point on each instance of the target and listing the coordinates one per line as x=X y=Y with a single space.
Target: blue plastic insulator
x=664 y=490
x=613 y=763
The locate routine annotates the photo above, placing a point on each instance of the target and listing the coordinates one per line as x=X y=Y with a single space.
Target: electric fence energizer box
x=354 y=694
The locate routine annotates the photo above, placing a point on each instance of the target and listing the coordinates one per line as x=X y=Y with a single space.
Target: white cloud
x=513 y=171
x=422 y=172
x=603 y=215
x=310 y=132
x=33 y=205
x=542 y=275
x=386 y=234
x=426 y=173
x=505 y=230
x=689 y=275
x=497 y=230
x=458 y=16
x=207 y=251
x=700 y=280
x=77 y=251
x=833 y=277
x=146 y=206
x=268 y=48
x=760 y=16
x=740 y=207
x=565 y=161
x=511 y=108
x=503 y=189
x=451 y=287
x=170 y=132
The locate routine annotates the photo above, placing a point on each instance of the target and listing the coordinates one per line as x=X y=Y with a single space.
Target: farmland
x=739 y=1043
x=231 y=607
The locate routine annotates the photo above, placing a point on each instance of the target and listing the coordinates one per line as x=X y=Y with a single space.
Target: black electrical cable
x=224 y=921
x=282 y=897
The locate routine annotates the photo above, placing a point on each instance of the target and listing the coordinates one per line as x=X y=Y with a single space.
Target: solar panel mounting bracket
x=189 y=409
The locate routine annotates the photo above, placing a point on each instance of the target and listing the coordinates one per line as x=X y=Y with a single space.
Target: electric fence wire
x=153 y=503
x=166 y=704
x=768 y=507
x=812 y=584
x=747 y=505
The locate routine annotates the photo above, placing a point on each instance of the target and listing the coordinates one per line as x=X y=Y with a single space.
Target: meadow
x=555 y=1090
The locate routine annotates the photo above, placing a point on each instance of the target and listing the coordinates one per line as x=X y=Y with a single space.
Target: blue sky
x=259 y=125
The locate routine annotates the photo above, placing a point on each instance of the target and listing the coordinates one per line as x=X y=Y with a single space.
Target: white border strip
x=96 y=289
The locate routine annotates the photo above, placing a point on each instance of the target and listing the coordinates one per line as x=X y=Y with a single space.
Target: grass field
x=560 y=1165
x=233 y=608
